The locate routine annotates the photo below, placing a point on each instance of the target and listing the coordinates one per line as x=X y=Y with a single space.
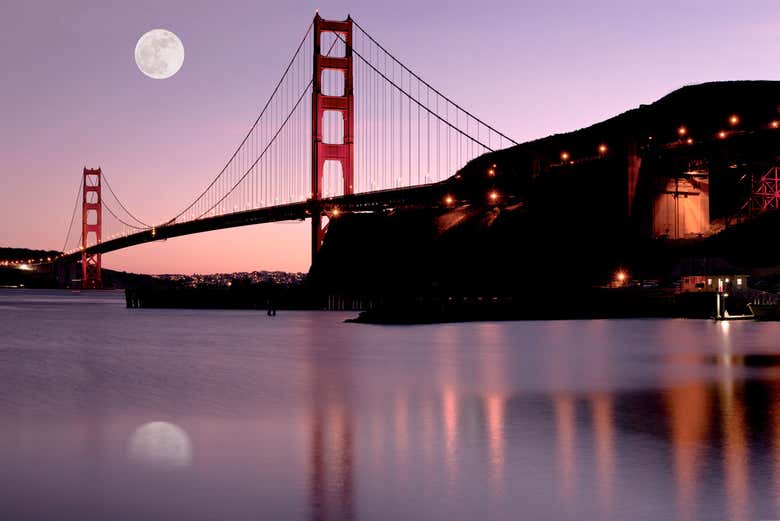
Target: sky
x=71 y=94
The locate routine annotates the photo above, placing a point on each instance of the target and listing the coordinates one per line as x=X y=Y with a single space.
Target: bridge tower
x=321 y=103
x=91 y=223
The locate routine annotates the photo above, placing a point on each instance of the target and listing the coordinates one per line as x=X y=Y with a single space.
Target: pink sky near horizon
x=72 y=96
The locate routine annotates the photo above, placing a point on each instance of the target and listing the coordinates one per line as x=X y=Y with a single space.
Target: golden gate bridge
x=348 y=127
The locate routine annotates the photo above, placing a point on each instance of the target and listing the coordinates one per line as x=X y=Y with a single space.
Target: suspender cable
x=430 y=86
x=252 y=128
x=273 y=139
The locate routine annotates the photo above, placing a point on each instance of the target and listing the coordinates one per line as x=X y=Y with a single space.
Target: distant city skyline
x=73 y=96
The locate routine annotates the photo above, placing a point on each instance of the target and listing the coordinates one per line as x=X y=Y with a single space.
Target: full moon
x=159 y=54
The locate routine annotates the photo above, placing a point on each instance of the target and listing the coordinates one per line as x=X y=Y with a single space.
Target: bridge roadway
x=428 y=194
x=761 y=146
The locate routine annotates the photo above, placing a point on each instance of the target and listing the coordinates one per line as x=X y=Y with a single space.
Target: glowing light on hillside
x=689 y=141
x=335 y=212
x=775 y=124
x=722 y=134
x=682 y=131
x=448 y=200
x=602 y=148
x=493 y=196
x=564 y=156
x=734 y=119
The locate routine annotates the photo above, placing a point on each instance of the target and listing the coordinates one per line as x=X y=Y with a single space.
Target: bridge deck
x=368 y=201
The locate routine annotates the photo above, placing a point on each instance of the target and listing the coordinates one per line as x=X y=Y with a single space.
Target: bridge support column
x=91 y=225
x=321 y=103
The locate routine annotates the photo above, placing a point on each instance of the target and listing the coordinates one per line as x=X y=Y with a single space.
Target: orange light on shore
x=493 y=196
x=602 y=148
x=722 y=134
x=564 y=156
x=734 y=119
x=682 y=131
x=689 y=141
x=449 y=200
x=621 y=276
x=491 y=172
x=335 y=212
x=775 y=124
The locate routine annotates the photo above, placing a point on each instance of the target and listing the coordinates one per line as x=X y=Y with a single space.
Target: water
x=110 y=413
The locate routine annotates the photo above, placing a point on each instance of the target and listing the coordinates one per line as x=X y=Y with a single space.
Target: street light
x=602 y=148
x=493 y=196
x=682 y=131
x=734 y=119
x=564 y=156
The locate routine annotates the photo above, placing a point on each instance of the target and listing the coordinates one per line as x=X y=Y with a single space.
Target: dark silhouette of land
x=563 y=228
x=540 y=229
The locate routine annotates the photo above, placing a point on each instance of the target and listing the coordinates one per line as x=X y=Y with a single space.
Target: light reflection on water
x=233 y=415
x=160 y=443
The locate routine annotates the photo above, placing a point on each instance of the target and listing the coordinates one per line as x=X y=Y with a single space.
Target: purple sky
x=71 y=94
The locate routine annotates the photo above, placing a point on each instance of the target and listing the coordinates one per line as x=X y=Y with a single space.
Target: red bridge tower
x=321 y=103
x=91 y=222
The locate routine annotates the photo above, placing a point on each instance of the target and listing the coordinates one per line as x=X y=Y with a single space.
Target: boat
x=765 y=312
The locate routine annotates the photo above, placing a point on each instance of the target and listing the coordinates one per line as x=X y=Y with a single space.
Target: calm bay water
x=110 y=413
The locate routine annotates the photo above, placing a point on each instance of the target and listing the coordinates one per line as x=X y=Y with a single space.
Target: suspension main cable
x=108 y=184
x=107 y=207
x=252 y=128
x=429 y=85
x=73 y=216
x=271 y=142
x=401 y=90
